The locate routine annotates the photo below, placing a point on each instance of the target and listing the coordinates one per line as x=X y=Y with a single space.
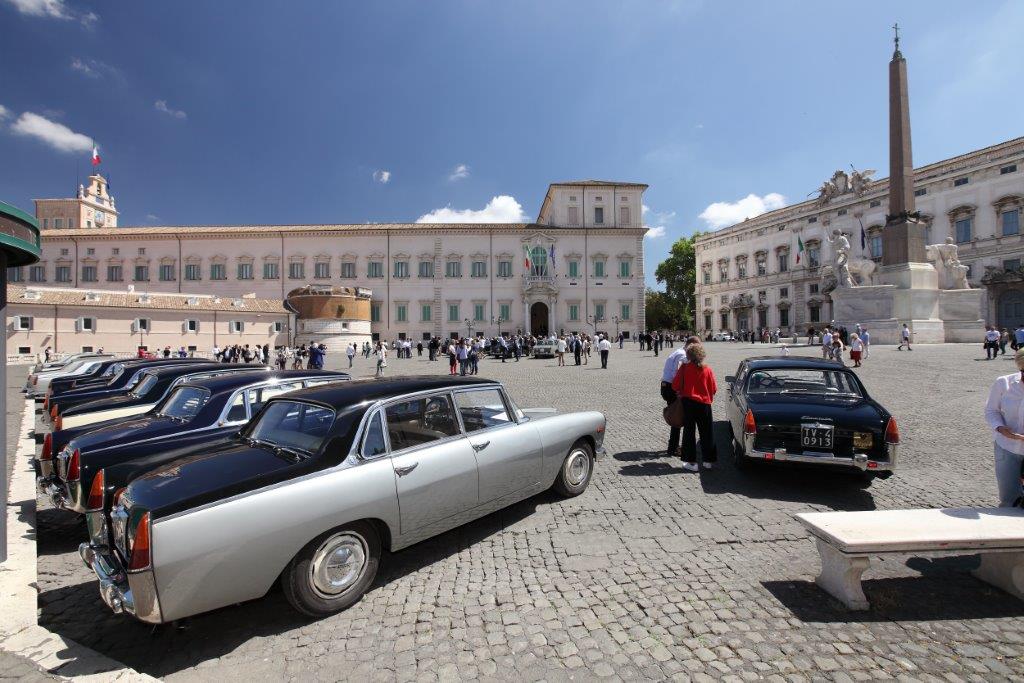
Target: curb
x=20 y=632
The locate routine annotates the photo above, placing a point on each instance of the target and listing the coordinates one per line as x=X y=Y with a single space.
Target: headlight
x=862 y=439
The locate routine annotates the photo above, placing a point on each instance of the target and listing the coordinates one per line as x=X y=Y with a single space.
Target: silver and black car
x=811 y=411
x=320 y=483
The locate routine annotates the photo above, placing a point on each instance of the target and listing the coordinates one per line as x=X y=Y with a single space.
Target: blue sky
x=296 y=112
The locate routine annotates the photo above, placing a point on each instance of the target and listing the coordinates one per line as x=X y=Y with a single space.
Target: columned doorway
x=539 y=319
x=1010 y=309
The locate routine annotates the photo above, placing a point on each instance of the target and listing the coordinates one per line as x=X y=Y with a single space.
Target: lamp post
x=469 y=328
x=615 y=318
x=19 y=246
x=499 y=320
x=593 y=321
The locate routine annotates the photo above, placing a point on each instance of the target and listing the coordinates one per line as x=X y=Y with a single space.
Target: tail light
x=892 y=432
x=140 y=558
x=96 y=492
x=117 y=497
x=46 y=402
x=47 y=453
x=74 y=466
x=749 y=426
x=53 y=412
x=35 y=380
x=58 y=424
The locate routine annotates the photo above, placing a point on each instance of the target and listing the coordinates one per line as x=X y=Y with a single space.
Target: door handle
x=480 y=446
x=402 y=471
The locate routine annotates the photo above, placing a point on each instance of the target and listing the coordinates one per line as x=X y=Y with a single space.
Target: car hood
x=120 y=432
x=225 y=470
x=850 y=412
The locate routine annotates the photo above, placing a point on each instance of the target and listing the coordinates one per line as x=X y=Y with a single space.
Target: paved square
x=653 y=573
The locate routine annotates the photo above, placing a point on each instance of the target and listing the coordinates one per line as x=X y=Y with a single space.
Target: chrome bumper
x=56 y=492
x=600 y=453
x=859 y=461
x=116 y=585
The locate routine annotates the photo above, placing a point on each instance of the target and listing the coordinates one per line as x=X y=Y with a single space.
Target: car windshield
x=113 y=370
x=292 y=426
x=144 y=385
x=184 y=403
x=826 y=382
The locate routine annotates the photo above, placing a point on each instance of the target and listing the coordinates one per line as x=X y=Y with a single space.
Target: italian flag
x=95 y=156
x=799 y=248
x=527 y=261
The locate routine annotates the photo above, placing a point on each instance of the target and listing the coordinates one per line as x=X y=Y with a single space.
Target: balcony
x=531 y=280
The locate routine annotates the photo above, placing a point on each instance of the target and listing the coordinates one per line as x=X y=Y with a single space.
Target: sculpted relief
x=952 y=273
x=856 y=183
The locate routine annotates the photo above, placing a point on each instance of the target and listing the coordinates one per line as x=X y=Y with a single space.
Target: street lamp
x=498 y=320
x=615 y=318
x=469 y=328
x=593 y=321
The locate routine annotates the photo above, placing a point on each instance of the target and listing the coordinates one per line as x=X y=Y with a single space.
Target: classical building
x=579 y=265
x=754 y=274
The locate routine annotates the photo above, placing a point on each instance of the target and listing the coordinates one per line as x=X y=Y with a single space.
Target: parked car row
x=203 y=484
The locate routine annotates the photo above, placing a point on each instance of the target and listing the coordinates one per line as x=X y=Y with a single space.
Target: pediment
x=539 y=238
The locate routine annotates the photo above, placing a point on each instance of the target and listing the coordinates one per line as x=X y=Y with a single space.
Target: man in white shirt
x=904 y=338
x=991 y=343
x=668 y=373
x=350 y=351
x=865 y=337
x=826 y=343
x=1004 y=413
x=604 y=346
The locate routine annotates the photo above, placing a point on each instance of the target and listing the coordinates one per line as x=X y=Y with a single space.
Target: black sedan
x=196 y=413
x=809 y=411
x=118 y=377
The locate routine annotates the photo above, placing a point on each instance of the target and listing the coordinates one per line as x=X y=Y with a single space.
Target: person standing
x=605 y=347
x=1004 y=339
x=826 y=343
x=350 y=351
x=904 y=338
x=560 y=350
x=668 y=394
x=382 y=358
x=576 y=345
x=991 y=342
x=695 y=384
x=865 y=339
x=1004 y=413
x=856 y=349
x=1018 y=337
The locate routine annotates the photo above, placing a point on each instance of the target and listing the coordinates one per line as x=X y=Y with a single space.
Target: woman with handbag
x=696 y=386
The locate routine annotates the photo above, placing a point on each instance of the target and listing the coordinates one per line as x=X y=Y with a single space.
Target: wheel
x=741 y=461
x=333 y=570
x=578 y=466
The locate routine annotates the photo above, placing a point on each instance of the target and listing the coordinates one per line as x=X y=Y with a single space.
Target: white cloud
x=461 y=171
x=53 y=9
x=56 y=135
x=382 y=177
x=151 y=217
x=93 y=68
x=721 y=214
x=655 y=221
x=161 y=105
x=501 y=209
x=655 y=232
x=4 y=112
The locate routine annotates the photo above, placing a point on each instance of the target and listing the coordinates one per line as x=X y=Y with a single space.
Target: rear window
x=803 y=381
x=419 y=421
x=184 y=403
x=293 y=425
x=144 y=385
x=481 y=409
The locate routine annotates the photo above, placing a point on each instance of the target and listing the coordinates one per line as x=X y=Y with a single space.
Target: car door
x=435 y=466
x=509 y=456
x=737 y=401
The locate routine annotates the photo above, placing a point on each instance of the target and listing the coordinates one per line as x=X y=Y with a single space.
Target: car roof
x=162 y=371
x=233 y=380
x=361 y=390
x=777 y=362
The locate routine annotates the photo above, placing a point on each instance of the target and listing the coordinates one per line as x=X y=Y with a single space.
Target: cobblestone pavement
x=653 y=573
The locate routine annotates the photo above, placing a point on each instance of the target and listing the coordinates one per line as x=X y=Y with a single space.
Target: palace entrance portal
x=539 y=319
x=1010 y=312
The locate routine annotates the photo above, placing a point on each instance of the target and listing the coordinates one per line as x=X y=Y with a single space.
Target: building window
x=963 y=230
x=142 y=325
x=63 y=274
x=401 y=270
x=244 y=271
x=296 y=270
x=707 y=301
x=505 y=312
x=236 y=326
x=574 y=312
x=426 y=312
x=725 y=299
x=960 y=181
x=141 y=274
x=815 y=314
x=87 y=324
x=783 y=263
x=1011 y=222
x=623 y=215
x=707 y=276
x=624 y=311
x=23 y=322
x=192 y=271
x=783 y=292
x=478 y=269
x=401 y=313
x=58 y=223
x=841 y=212
x=813 y=256
x=348 y=270
x=725 y=321
x=1011 y=265
x=812 y=288
x=90 y=251
x=71 y=222
x=453 y=313
x=504 y=269
x=114 y=274
x=574 y=269
x=538 y=262
x=426 y=269
x=46 y=223
x=707 y=321
x=270 y=271
x=1012 y=168
x=598 y=312
x=812 y=219
x=572 y=215
x=218 y=271
x=116 y=251
x=191 y=325
x=598 y=268
x=64 y=251
x=624 y=268
x=142 y=251
x=783 y=317
x=599 y=215
x=875 y=246
x=874 y=203
x=14 y=274
x=917 y=193
x=37 y=274
x=453 y=269
x=478 y=312
x=741 y=268
x=375 y=269
x=374 y=313
x=762 y=266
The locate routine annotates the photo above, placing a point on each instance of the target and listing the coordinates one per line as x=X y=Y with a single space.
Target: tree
x=659 y=311
x=679 y=274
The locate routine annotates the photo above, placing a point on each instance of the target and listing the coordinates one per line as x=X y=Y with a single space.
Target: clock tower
x=93 y=207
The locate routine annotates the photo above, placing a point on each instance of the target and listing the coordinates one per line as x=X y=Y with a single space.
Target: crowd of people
x=997 y=340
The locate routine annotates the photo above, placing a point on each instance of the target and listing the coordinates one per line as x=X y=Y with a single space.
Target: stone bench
x=846 y=540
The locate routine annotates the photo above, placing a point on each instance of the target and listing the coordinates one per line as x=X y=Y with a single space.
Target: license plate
x=816 y=436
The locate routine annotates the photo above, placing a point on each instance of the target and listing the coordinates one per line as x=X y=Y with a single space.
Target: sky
x=464 y=110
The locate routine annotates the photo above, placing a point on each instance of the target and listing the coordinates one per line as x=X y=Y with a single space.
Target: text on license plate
x=816 y=436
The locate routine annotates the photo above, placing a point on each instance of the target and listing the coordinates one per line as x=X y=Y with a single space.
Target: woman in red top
x=696 y=386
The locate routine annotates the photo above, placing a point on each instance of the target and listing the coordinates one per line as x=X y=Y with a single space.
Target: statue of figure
x=825 y=193
x=841 y=182
x=952 y=273
x=859 y=181
x=841 y=259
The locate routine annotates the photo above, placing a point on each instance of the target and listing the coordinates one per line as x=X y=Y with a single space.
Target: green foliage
x=679 y=274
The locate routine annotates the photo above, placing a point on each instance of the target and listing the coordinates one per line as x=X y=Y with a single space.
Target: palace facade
x=753 y=275
x=578 y=266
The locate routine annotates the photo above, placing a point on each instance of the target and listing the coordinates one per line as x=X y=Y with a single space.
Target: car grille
x=770 y=437
x=61 y=462
x=119 y=529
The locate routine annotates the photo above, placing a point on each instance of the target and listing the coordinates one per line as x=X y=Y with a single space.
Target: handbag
x=674 y=413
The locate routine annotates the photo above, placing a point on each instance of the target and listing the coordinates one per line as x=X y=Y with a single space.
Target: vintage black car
x=321 y=483
x=811 y=411
x=116 y=375
x=198 y=412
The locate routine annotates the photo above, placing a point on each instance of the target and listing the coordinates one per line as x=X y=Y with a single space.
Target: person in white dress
x=560 y=348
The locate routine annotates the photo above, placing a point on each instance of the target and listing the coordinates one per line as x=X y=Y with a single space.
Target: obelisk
x=903 y=236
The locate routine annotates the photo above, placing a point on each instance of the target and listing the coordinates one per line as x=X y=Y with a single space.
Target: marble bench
x=846 y=540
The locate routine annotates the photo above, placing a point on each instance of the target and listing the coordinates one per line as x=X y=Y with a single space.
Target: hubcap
x=338 y=564
x=577 y=466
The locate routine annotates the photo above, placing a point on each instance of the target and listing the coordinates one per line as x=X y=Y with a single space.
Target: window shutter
x=79 y=325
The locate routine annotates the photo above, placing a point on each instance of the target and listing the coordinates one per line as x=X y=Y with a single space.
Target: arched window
x=539 y=259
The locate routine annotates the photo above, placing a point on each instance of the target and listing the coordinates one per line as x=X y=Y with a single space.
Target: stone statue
x=826 y=192
x=841 y=181
x=859 y=181
x=841 y=259
x=952 y=273
x=861 y=272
